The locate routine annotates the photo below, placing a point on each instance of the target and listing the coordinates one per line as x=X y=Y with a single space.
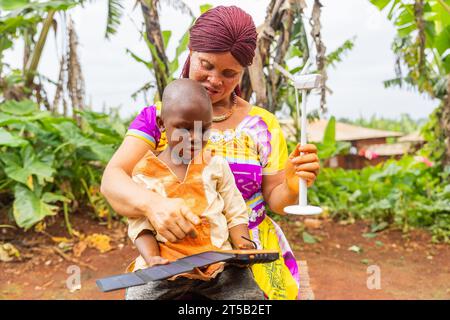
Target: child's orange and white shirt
x=209 y=190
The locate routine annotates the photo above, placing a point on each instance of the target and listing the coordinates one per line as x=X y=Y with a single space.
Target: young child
x=186 y=170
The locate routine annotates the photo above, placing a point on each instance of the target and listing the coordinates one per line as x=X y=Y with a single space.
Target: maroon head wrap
x=224 y=29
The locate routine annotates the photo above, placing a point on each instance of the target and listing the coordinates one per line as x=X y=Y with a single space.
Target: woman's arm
x=170 y=217
x=281 y=189
x=277 y=194
x=125 y=196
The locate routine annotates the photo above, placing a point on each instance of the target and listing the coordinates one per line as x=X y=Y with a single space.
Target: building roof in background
x=344 y=131
x=412 y=137
x=392 y=149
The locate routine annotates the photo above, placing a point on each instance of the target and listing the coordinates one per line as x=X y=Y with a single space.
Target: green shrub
x=47 y=159
x=404 y=193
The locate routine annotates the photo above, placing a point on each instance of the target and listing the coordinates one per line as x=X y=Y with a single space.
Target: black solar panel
x=186 y=264
x=205 y=258
x=161 y=272
x=119 y=282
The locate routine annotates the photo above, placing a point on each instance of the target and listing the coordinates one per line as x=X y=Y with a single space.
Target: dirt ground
x=410 y=267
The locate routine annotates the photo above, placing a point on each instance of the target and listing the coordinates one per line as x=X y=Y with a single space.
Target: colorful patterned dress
x=256 y=147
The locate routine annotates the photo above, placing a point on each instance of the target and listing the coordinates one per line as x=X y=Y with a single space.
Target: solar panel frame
x=161 y=272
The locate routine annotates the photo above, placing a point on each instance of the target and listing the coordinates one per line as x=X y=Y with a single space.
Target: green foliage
x=205 y=7
x=25 y=6
x=29 y=207
x=336 y=56
x=422 y=45
x=433 y=133
x=46 y=159
x=405 y=193
x=329 y=147
x=115 y=11
x=435 y=16
x=308 y=238
x=173 y=64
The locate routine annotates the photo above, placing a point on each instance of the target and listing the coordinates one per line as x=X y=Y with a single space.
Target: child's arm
x=238 y=234
x=148 y=248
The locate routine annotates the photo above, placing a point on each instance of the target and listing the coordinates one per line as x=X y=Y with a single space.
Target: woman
x=222 y=44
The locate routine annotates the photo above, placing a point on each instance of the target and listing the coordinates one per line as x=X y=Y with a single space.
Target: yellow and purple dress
x=256 y=147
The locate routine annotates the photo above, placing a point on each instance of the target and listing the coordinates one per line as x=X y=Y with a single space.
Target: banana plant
x=422 y=44
x=163 y=69
x=21 y=19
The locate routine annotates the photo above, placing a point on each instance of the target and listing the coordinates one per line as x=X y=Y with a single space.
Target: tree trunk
x=33 y=62
x=418 y=13
x=277 y=27
x=155 y=38
x=445 y=123
x=321 y=50
x=75 y=81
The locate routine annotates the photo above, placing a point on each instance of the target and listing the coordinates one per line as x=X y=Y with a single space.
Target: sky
x=111 y=75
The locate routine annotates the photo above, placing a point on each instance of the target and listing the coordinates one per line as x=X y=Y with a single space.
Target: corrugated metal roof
x=344 y=131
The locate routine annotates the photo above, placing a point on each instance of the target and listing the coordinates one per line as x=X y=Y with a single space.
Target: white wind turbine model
x=303 y=82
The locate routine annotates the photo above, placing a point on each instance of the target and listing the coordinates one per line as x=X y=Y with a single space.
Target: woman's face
x=219 y=73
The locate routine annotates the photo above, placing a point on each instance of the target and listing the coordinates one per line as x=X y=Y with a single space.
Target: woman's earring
x=234 y=98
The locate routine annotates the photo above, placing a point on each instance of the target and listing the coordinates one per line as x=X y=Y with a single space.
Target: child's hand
x=156 y=260
x=246 y=246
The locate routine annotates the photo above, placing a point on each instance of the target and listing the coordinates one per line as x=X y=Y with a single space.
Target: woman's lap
x=234 y=283
x=279 y=279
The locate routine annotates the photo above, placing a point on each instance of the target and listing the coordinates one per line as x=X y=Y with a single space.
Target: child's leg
x=233 y=283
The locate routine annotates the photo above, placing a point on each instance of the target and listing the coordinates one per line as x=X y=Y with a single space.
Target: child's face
x=187 y=131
